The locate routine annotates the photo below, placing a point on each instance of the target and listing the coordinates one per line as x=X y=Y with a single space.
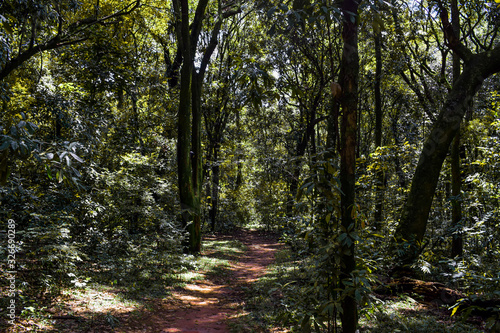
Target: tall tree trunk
x=300 y=152
x=413 y=223
x=456 y=181
x=187 y=194
x=196 y=163
x=239 y=155
x=332 y=138
x=380 y=178
x=349 y=102
x=214 y=195
x=189 y=152
x=456 y=189
x=397 y=162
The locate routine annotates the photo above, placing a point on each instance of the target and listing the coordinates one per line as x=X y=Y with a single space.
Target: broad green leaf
x=76 y=157
x=5 y=144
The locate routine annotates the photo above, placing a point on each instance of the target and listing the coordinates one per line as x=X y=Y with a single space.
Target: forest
x=326 y=165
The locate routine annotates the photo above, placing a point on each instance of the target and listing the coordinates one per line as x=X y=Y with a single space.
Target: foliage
x=89 y=96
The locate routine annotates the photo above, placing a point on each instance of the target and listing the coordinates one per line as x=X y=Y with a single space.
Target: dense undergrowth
x=285 y=297
x=119 y=296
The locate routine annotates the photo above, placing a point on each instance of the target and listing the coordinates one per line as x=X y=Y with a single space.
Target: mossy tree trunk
x=190 y=203
x=189 y=149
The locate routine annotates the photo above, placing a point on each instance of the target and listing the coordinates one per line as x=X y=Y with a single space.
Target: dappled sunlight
x=208 y=304
x=406 y=314
x=211 y=297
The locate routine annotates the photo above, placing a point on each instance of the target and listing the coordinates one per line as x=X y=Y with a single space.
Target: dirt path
x=207 y=306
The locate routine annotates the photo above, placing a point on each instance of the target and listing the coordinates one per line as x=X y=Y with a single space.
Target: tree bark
x=196 y=163
x=301 y=149
x=187 y=193
x=239 y=155
x=349 y=82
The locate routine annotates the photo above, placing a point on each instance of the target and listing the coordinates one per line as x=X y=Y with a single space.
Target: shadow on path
x=206 y=306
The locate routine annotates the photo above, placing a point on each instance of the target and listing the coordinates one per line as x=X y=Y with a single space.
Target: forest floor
x=212 y=301
x=230 y=287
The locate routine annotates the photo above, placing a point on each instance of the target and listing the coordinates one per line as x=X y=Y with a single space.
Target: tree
x=477 y=67
x=189 y=152
x=217 y=111
x=349 y=101
x=456 y=179
x=380 y=177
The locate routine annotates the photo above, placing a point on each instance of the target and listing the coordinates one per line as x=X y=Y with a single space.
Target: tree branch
x=197 y=24
x=61 y=39
x=453 y=41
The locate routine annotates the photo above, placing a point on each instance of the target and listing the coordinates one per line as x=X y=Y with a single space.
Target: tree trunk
x=300 y=152
x=412 y=225
x=239 y=155
x=187 y=192
x=349 y=82
x=456 y=181
x=456 y=189
x=332 y=138
x=214 y=195
x=397 y=162
x=379 y=177
x=189 y=135
x=196 y=163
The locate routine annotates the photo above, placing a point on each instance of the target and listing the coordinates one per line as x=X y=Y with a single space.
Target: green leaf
x=24 y=149
x=272 y=31
x=357 y=296
x=271 y=11
x=6 y=26
x=31 y=128
x=14 y=145
x=76 y=157
x=77 y=173
x=454 y=309
x=49 y=171
x=305 y=323
x=5 y=145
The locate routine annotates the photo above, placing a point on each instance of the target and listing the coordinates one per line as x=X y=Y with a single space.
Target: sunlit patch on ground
x=405 y=314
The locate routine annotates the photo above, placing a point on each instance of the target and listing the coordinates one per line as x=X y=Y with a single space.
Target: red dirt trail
x=206 y=306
